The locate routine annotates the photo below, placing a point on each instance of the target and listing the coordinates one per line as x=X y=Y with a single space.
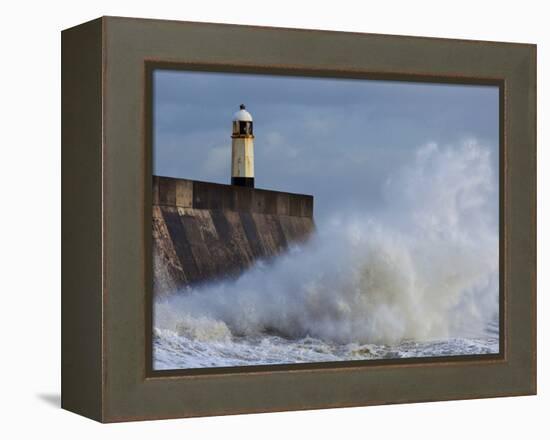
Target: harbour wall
x=205 y=231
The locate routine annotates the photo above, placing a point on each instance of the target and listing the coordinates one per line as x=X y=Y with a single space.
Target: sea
x=175 y=351
x=416 y=278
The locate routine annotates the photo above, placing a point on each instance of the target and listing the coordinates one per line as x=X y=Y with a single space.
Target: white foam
x=173 y=351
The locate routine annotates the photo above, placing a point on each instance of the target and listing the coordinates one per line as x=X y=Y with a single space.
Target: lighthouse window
x=245 y=127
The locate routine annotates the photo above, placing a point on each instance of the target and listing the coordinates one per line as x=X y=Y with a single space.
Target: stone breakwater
x=206 y=231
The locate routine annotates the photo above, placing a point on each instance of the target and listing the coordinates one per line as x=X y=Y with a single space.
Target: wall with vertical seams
x=207 y=231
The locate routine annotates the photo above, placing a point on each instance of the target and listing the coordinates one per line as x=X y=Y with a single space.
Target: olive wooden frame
x=106 y=219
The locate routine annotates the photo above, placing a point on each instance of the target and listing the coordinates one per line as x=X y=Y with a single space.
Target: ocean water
x=173 y=351
x=418 y=278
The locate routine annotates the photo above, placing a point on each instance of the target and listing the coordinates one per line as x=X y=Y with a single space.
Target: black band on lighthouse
x=243 y=181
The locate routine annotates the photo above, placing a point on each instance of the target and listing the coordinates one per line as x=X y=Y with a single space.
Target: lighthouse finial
x=242 y=106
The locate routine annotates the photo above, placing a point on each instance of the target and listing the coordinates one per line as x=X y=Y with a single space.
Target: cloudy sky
x=336 y=139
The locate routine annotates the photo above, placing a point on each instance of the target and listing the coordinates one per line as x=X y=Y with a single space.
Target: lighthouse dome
x=242 y=115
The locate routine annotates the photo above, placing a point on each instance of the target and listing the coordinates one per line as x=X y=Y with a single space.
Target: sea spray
x=423 y=268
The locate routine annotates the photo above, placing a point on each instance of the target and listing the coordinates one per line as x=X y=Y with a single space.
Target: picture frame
x=106 y=219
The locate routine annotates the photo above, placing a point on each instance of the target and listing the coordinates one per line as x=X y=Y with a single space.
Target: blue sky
x=337 y=139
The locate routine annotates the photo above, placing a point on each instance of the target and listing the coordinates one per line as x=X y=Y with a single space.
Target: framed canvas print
x=264 y=219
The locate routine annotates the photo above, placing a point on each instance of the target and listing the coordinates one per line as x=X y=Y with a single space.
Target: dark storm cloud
x=336 y=139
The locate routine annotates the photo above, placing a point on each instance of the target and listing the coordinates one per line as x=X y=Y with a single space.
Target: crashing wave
x=425 y=268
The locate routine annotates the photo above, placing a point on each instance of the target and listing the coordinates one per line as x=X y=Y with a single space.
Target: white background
x=30 y=220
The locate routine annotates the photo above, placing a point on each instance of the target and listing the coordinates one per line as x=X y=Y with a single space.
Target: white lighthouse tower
x=242 y=153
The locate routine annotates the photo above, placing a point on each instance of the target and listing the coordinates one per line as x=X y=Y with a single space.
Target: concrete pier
x=204 y=231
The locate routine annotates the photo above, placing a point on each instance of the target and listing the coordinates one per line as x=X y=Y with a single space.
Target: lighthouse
x=242 y=149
